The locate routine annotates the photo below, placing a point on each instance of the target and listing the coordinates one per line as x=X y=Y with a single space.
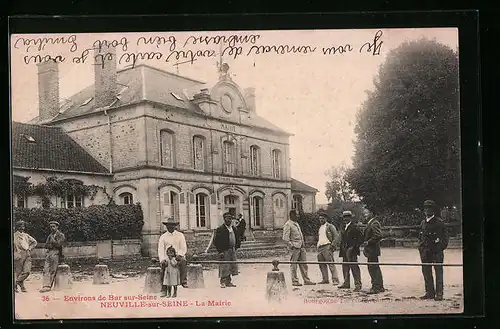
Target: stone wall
x=106 y=249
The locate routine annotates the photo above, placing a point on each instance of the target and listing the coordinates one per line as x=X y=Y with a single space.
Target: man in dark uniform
x=351 y=240
x=373 y=235
x=433 y=240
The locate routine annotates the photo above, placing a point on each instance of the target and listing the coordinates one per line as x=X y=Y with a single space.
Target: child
x=172 y=276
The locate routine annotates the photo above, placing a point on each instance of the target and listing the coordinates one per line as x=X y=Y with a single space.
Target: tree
x=338 y=188
x=408 y=140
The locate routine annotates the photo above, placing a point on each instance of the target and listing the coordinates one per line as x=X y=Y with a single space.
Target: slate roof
x=301 y=187
x=44 y=147
x=146 y=83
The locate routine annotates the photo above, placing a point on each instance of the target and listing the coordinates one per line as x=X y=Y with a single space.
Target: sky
x=311 y=95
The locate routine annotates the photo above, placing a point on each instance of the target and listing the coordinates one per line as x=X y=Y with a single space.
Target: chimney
x=48 y=90
x=105 y=87
x=249 y=94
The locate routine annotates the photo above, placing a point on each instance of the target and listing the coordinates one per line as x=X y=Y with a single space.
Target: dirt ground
x=124 y=296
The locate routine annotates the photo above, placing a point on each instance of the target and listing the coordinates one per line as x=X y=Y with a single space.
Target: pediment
x=228 y=97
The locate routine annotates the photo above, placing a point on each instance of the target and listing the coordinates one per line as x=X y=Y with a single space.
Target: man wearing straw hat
x=23 y=244
x=328 y=239
x=433 y=240
x=351 y=240
x=226 y=241
x=54 y=246
x=176 y=239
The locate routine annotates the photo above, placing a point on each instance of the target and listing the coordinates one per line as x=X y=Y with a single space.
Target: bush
x=401 y=218
x=97 y=222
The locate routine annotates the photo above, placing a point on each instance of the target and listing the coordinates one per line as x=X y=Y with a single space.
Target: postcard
x=236 y=173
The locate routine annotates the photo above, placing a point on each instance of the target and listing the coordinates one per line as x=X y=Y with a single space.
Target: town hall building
x=171 y=143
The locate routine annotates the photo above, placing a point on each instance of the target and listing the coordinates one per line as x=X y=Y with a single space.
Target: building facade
x=179 y=148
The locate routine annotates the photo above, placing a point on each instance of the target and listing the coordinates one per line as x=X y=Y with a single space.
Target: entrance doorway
x=232 y=205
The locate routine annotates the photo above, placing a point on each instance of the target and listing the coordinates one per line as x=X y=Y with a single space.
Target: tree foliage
x=408 y=147
x=338 y=188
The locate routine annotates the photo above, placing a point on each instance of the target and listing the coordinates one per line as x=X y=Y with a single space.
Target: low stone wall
x=270 y=235
x=197 y=241
x=107 y=249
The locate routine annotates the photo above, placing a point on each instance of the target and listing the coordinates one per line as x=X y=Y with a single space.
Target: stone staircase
x=253 y=249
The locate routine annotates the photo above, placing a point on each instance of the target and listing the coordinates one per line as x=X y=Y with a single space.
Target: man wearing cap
x=328 y=239
x=23 y=244
x=433 y=240
x=351 y=240
x=372 y=236
x=176 y=239
x=292 y=235
x=54 y=245
x=226 y=241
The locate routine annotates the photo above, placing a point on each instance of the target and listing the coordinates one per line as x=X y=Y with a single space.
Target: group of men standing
x=23 y=244
x=348 y=242
x=433 y=240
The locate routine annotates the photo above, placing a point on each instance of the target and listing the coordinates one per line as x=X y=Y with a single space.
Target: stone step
x=261 y=243
x=273 y=247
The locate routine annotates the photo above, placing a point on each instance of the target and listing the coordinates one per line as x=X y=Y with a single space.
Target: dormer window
x=87 y=101
x=28 y=138
x=179 y=98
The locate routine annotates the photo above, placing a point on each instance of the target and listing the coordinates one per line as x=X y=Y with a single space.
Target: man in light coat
x=23 y=244
x=292 y=234
x=176 y=239
x=328 y=240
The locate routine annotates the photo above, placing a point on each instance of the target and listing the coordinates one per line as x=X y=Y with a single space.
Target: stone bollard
x=154 y=281
x=101 y=274
x=276 y=285
x=195 y=276
x=63 y=277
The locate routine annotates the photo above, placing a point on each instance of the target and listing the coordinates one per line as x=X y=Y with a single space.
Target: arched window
x=199 y=153
x=276 y=157
x=257 y=211
x=167 y=148
x=201 y=210
x=229 y=157
x=126 y=198
x=297 y=202
x=71 y=200
x=254 y=160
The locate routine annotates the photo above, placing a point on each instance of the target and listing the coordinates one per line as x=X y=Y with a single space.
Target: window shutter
x=252 y=215
x=183 y=215
x=191 y=209
x=214 y=211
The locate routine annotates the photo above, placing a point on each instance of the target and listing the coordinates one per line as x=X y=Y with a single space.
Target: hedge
x=93 y=223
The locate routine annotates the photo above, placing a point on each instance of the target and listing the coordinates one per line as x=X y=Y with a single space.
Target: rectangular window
x=229 y=157
x=276 y=155
x=166 y=148
x=21 y=201
x=72 y=201
x=198 y=153
x=254 y=161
